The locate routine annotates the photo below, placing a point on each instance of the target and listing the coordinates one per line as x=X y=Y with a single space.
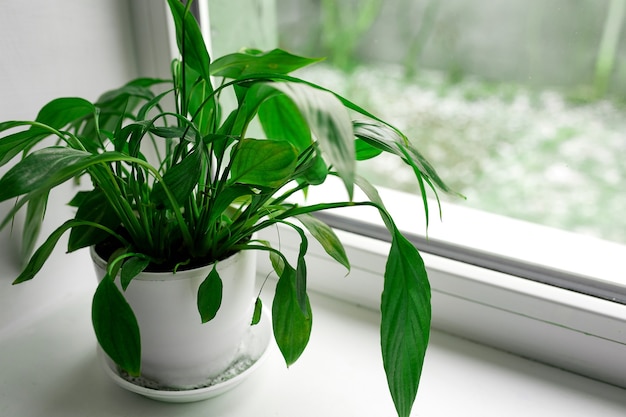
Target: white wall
x=50 y=49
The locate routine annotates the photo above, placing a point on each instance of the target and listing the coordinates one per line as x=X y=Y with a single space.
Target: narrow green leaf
x=32 y=224
x=179 y=179
x=131 y=268
x=263 y=162
x=292 y=328
x=210 y=296
x=42 y=254
x=326 y=237
x=13 y=144
x=92 y=207
x=251 y=61
x=189 y=39
x=405 y=321
x=258 y=309
x=116 y=327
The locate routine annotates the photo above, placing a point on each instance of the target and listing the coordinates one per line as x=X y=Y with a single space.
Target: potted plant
x=178 y=182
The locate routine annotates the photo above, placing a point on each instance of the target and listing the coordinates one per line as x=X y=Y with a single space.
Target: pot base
x=251 y=354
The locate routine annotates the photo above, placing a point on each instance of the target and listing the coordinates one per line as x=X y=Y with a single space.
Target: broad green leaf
x=326 y=237
x=210 y=296
x=39 y=168
x=116 y=327
x=258 y=309
x=131 y=268
x=365 y=151
x=330 y=123
x=138 y=88
x=251 y=61
x=63 y=111
x=93 y=207
x=262 y=162
x=292 y=328
x=189 y=39
x=405 y=321
x=281 y=119
x=42 y=254
x=405 y=312
x=180 y=180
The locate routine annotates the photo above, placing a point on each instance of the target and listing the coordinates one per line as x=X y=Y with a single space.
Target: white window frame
x=495 y=280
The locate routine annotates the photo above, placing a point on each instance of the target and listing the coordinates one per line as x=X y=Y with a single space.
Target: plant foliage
x=179 y=180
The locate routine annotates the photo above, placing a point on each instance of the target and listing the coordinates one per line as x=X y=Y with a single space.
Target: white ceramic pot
x=177 y=349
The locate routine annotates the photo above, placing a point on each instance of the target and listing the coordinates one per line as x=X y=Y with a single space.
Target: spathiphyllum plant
x=177 y=180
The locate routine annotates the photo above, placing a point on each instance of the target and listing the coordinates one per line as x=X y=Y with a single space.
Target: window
x=523 y=131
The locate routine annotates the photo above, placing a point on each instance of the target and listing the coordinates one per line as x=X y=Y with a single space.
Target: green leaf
x=258 y=309
x=39 y=168
x=326 y=237
x=63 y=111
x=263 y=162
x=180 y=180
x=189 y=39
x=405 y=321
x=131 y=268
x=365 y=151
x=92 y=207
x=32 y=224
x=116 y=327
x=281 y=119
x=210 y=296
x=15 y=143
x=405 y=312
x=330 y=123
x=292 y=327
x=42 y=254
x=252 y=61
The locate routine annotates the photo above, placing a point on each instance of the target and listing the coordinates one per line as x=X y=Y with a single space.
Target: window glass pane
x=519 y=104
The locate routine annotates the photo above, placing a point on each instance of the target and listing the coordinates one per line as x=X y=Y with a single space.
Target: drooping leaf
x=252 y=61
x=405 y=322
x=263 y=162
x=405 y=312
x=330 y=123
x=210 y=296
x=116 y=327
x=131 y=268
x=326 y=237
x=292 y=328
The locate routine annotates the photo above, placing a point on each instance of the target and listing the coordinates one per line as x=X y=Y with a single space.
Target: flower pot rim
x=170 y=275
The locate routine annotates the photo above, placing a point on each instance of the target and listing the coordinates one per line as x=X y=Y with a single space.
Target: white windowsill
x=49 y=367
